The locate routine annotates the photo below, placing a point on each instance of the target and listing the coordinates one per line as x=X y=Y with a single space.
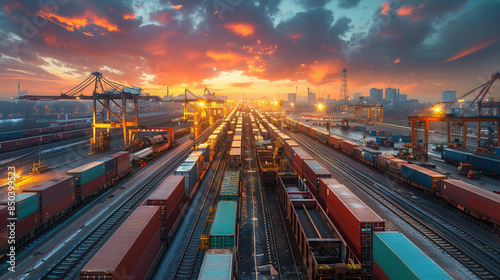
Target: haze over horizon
x=256 y=48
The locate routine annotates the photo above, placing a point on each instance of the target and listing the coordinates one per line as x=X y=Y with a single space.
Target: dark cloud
x=347 y=4
x=309 y=4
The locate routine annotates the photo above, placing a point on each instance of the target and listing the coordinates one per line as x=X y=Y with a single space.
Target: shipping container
x=313 y=172
x=380 y=140
x=235 y=158
x=456 y=156
x=335 y=141
x=488 y=166
x=476 y=201
x=395 y=137
x=205 y=149
x=321 y=135
x=217 y=265
x=25 y=226
x=298 y=160
x=171 y=199
x=422 y=177
x=109 y=163
x=348 y=147
x=400 y=259
x=406 y=138
x=26 y=204
x=130 y=251
x=4 y=215
x=222 y=233
x=370 y=155
x=230 y=186
x=87 y=190
x=356 y=221
x=188 y=170
x=383 y=161
x=496 y=151
x=86 y=173
x=121 y=157
x=394 y=164
x=289 y=145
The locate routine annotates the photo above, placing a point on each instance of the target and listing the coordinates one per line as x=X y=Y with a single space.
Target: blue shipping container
x=456 y=156
x=489 y=166
x=26 y=204
x=370 y=154
x=373 y=133
x=109 y=163
x=426 y=178
x=496 y=151
x=86 y=173
x=189 y=171
x=395 y=137
x=406 y=138
x=379 y=140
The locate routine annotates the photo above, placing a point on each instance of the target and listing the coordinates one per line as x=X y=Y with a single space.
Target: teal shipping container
x=26 y=204
x=87 y=172
x=230 y=186
x=400 y=259
x=217 y=265
x=222 y=233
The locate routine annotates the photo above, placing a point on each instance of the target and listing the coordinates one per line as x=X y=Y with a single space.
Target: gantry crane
x=439 y=113
x=106 y=92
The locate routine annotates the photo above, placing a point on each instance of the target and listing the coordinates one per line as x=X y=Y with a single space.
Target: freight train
x=148 y=230
x=488 y=164
x=57 y=127
x=357 y=224
x=422 y=178
x=42 y=139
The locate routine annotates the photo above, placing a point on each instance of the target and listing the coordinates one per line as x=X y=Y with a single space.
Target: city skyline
x=256 y=48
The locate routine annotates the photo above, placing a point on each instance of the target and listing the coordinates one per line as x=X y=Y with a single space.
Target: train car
x=299 y=155
x=322 y=248
x=423 y=178
x=89 y=179
x=396 y=257
x=489 y=166
x=289 y=146
x=313 y=172
x=367 y=155
x=109 y=169
x=229 y=190
x=171 y=199
x=335 y=141
x=356 y=221
x=473 y=200
x=55 y=196
x=223 y=230
x=27 y=214
x=217 y=265
x=235 y=158
x=130 y=251
x=123 y=166
x=456 y=156
x=190 y=173
x=348 y=147
x=321 y=136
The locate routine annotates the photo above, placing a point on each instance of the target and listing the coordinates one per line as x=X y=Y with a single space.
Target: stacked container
x=122 y=163
x=109 y=168
x=54 y=196
x=171 y=198
x=130 y=251
x=189 y=171
x=88 y=179
x=289 y=145
x=235 y=158
x=313 y=172
x=423 y=177
x=230 y=186
x=27 y=212
x=299 y=155
x=348 y=147
x=223 y=231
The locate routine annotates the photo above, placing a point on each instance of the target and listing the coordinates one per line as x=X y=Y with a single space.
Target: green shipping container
x=223 y=229
x=230 y=186
x=26 y=204
x=87 y=172
x=217 y=266
x=400 y=259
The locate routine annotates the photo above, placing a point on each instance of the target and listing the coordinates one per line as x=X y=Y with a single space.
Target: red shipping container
x=313 y=172
x=8 y=144
x=91 y=187
x=52 y=190
x=299 y=155
x=348 y=146
x=129 y=253
x=4 y=215
x=352 y=217
x=123 y=169
x=470 y=196
x=27 y=224
x=31 y=140
x=32 y=131
x=335 y=141
x=51 y=210
x=323 y=186
x=171 y=198
x=45 y=130
x=66 y=135
x=48 y=138
x=288 y=148
x=378 y=273
x=110 y=176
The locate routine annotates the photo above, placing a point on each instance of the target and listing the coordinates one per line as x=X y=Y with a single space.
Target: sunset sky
x=256 y=48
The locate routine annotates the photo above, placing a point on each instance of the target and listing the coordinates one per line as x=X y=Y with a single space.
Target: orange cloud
x=385 y=8
x=407 y=10
x=397 y=60
x=130 y=16
x=88 y=34
x=227 y=59
x=177 y=7
x=70 y=23
x=319 y=71
x=295 y=35
x=470 y=50
x=242 y=29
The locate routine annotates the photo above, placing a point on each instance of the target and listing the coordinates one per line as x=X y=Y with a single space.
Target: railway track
x=191 y=259
x=477 y=255
x=79 y=253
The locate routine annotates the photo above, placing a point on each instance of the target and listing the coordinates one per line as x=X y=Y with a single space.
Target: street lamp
x=461 y=101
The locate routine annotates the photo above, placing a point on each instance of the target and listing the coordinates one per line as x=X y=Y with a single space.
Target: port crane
x=440 y=113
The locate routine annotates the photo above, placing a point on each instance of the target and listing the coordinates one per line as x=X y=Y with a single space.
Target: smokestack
x=18 y=88
x=167 y=92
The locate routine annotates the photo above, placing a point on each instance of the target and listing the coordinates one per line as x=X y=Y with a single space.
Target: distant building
x=391 y=96
x=19 y=92
x=376 y=94
x=356 y=95
x=403 y=98
x=292 y=98
x=449 y=95
x=311 y=97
